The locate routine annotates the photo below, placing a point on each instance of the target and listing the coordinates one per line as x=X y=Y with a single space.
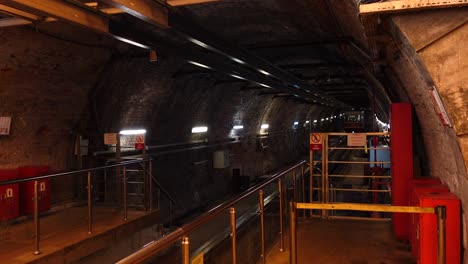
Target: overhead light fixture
x=238 y=127
x=200 y=129
x=131 y=42
x=264 y=72
x=307 y=121
x=264 y=85
x=199 y=64
x=326 y=119
x=264 y=126
x=237 y=60
x=237 y=76
x=322 y=119
x=296 y=123
x=199 y=43
x=132 y=132
x=315 y=121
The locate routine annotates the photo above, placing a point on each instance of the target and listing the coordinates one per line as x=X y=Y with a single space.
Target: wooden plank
x=188 y=2
x=61 y=10
x=146 y=10
x=408 y=5
x=366 y=207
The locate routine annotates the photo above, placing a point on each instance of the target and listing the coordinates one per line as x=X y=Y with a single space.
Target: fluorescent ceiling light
x=132 y=42
x=132 y=132
x=307 y=121
x=296 y=123
x=265 y=72
x=264 y=126
x=322 y=119
x=199 y=43
x=199 y=64
x=327 y=118
x=237 y=76
x=315 y=121
x=238 y=127
x=200 y=129
x=238 y=60
x=264 y=85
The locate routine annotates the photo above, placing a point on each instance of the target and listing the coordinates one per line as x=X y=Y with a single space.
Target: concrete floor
x=344 y=242
x=62 y=235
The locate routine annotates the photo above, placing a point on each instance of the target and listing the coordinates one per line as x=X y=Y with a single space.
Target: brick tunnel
x=222 y=89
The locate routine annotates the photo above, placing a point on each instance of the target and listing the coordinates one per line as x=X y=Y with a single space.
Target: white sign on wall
x=5 y=123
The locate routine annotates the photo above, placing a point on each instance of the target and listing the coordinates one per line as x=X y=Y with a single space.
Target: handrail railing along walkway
x=181 y=233
x=148 y=191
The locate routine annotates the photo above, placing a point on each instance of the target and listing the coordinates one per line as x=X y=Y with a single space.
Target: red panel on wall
x=402 y=164
x=9 y=195
x=418 y=190
x=428 y=229
x=27 y=189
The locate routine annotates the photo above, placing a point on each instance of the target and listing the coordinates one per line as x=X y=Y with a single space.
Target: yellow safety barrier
x=440 y=211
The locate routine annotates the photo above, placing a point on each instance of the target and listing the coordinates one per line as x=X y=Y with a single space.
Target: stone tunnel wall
x=55 y=90
x=430 y=49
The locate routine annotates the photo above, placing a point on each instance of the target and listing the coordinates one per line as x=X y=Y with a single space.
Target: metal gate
x=352 y=168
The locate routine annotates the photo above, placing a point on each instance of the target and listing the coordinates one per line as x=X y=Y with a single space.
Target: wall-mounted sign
x=316 y=142
x=110 y=138
x=5 y=123
x=140 y=141
x=356 y=139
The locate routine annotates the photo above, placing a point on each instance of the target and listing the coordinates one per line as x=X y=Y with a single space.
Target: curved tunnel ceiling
x=298 y=50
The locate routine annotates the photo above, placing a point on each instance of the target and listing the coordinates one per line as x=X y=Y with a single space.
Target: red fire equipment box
x=9 y=196
x=402 y=164
x=427 y=238
x=27 y=189
x=414 y=218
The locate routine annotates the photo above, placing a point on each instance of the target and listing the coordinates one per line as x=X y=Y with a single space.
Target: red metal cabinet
x=402 y=164
x=418 y=190
x=27 y=189
x=427 y=238
x=9 y=195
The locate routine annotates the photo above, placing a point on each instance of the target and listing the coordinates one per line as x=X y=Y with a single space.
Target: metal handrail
x=171 y=199
x=35 y=178
x=89 y=173
x=155 y=246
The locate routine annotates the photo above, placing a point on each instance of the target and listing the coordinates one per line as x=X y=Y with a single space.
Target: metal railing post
x=294 y=185
x=185 y=250
x=125 y=192
x=262 y=225
x=90 y=209
x=441 y=228
x=150 y=180
x=36 y=219
x=280 y=191
x=303 y=188
x=292 y=234
x=232 y=212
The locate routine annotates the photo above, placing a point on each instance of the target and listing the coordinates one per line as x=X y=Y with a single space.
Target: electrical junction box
x=221 y=159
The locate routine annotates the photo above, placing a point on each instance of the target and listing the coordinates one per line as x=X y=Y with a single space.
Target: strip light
x=200 y=129
x=238 y=127
x=132 y=132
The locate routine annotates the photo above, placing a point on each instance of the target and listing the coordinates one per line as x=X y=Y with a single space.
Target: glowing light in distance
x=264 y=126
x=296 y=123
x=132 y=132
x=327 y=118
x=238 y=127
x=132 y=42
x=307 y=121
x=199 y=64
x=201 y=129
x=315 y=121
x=322 y=119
